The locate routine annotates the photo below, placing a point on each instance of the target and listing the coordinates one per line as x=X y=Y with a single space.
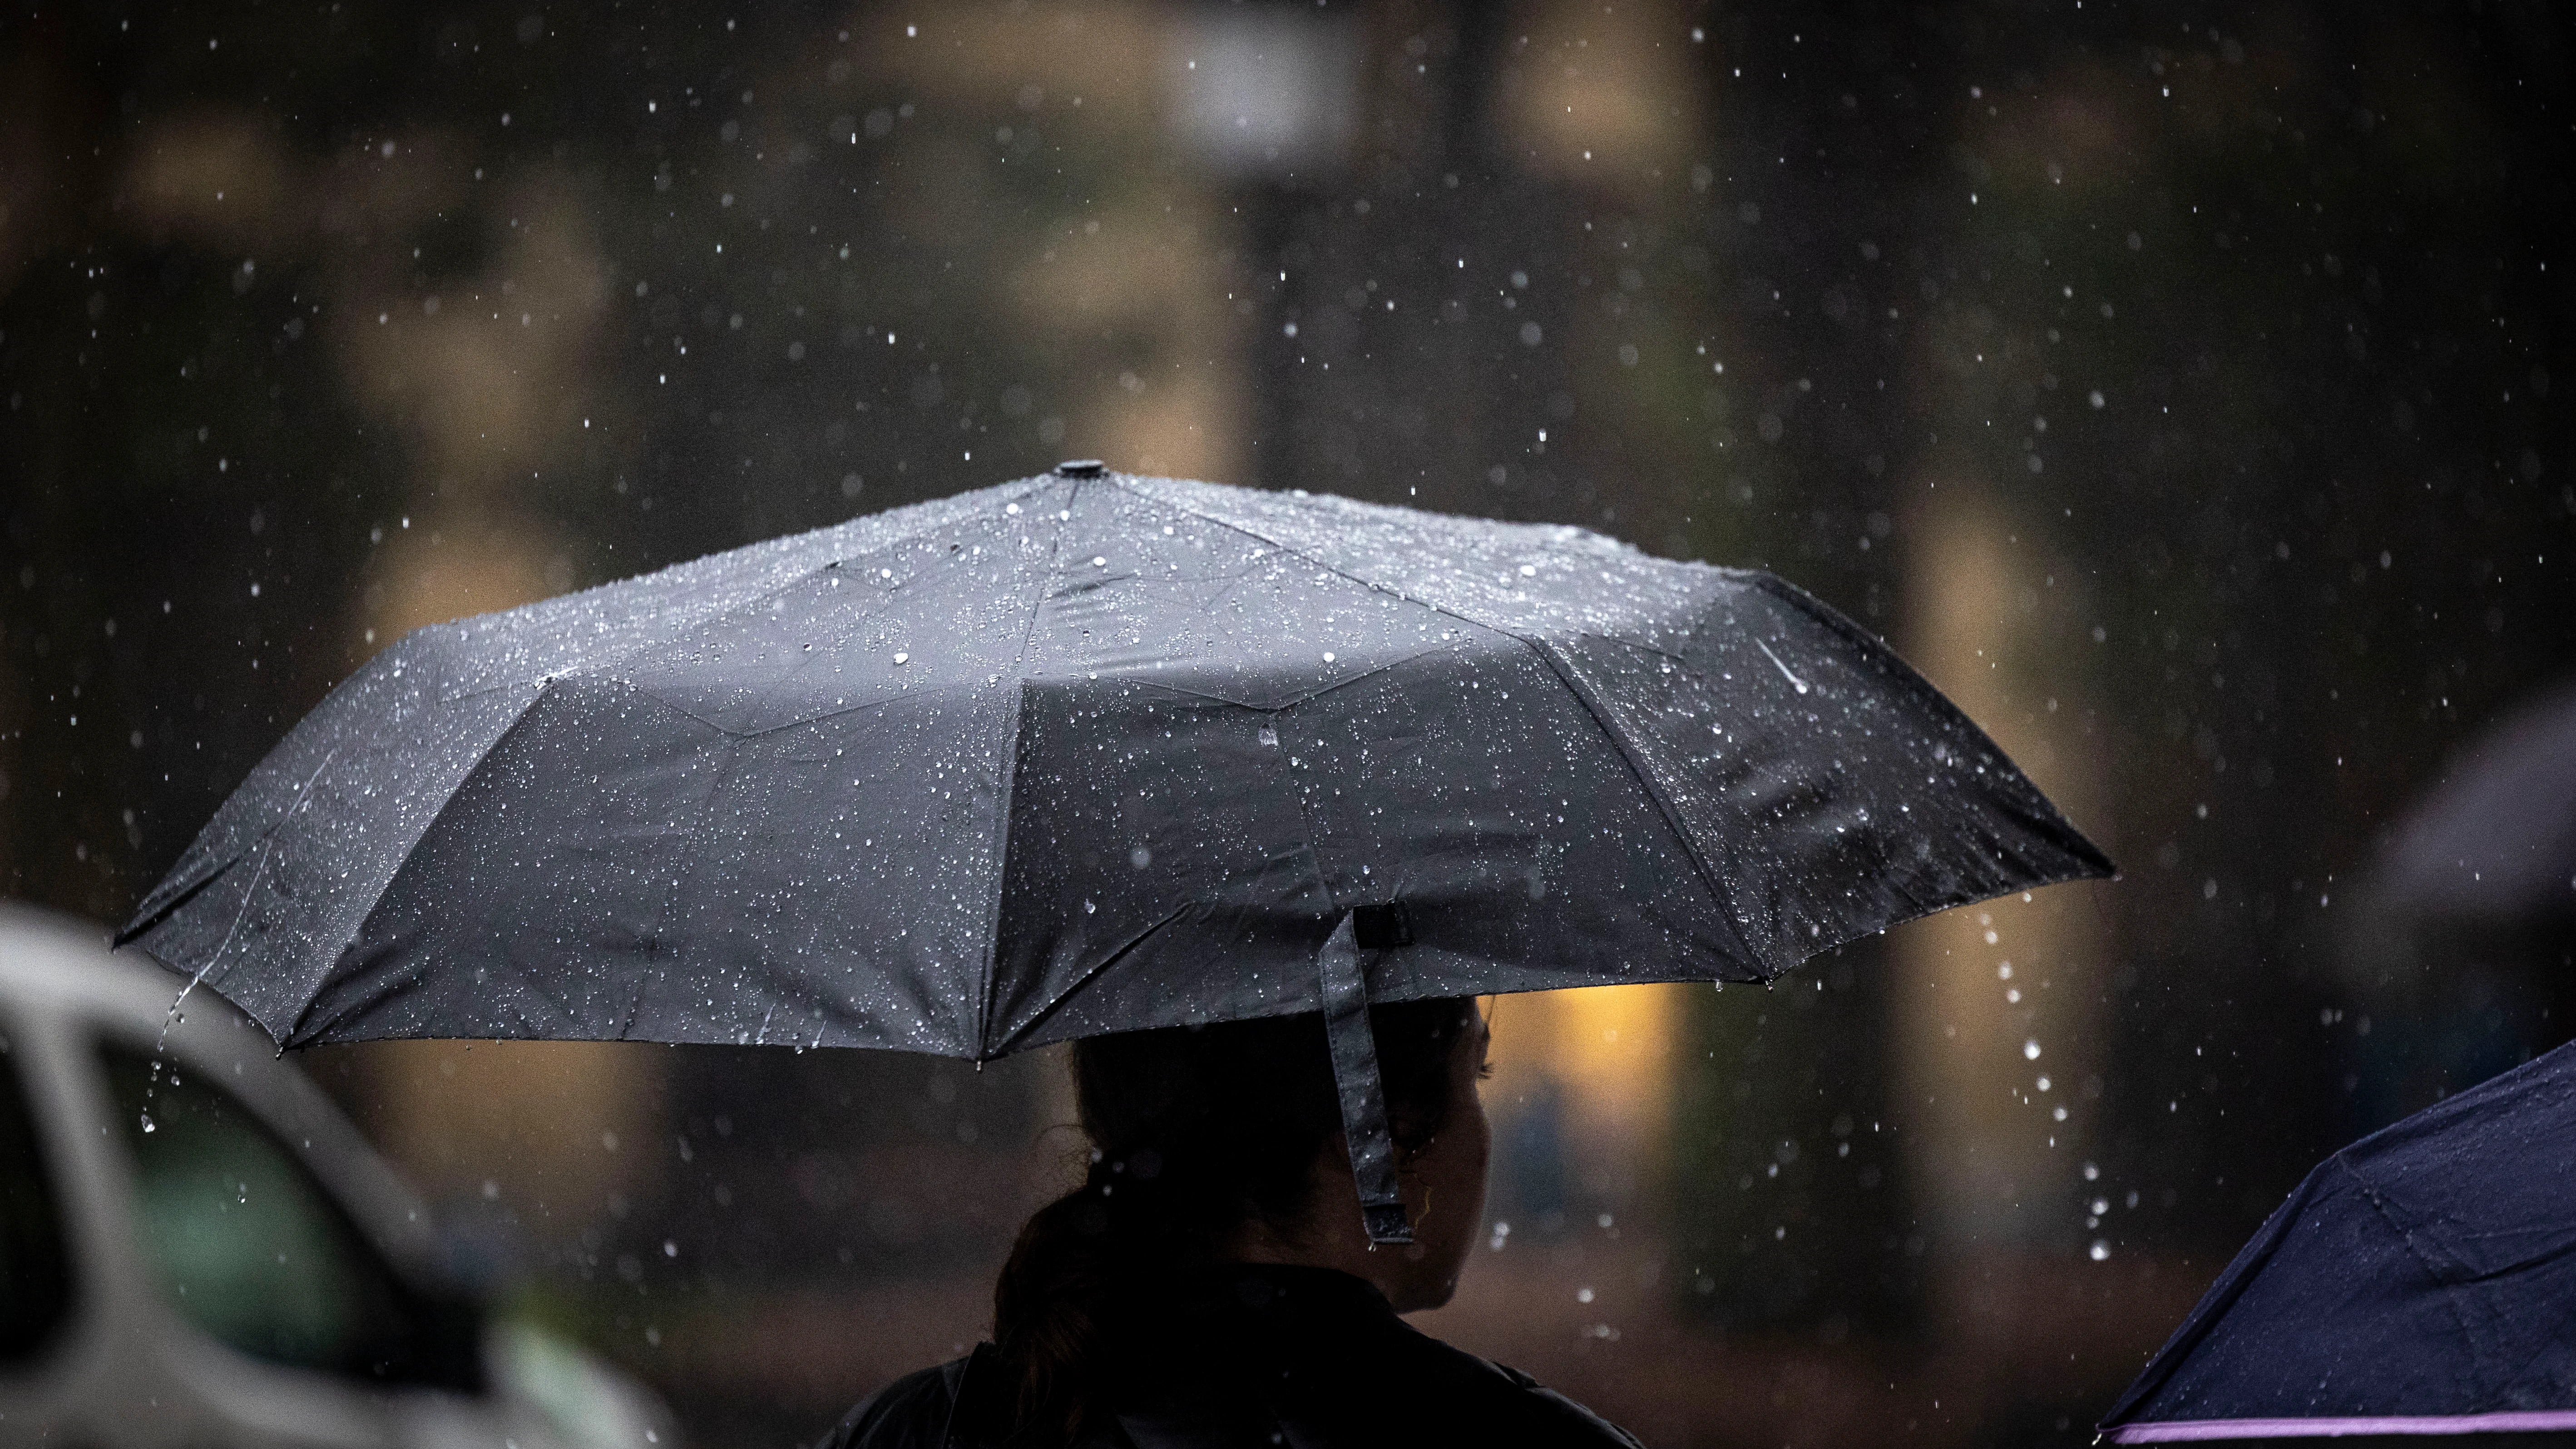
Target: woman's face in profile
x=1444 y=1185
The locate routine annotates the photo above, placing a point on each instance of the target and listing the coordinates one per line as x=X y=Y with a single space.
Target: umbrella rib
x=542 y=686
x=2438 y=1266
x=1001 y=831
x=1074 y=987
x=1547 y=655
x=728 y=732
x=1331 y=568
x=313 y=998
x=607 y=666
x=1307 y=698
x=1631 y=756
x=671 y=896
x=2232 y=1282
x=260 y=842
x=142 y=923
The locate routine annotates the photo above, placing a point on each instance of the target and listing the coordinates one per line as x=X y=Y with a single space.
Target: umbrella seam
x=261 y=843
x=260 y=840
x=1629 y=754
x=2233 y=1280
x=1929 y=696
x=694 y=835
x=1540 y=646
x=1002 y=801
x=296 y=1032
x=165 y=897
x=133 y=934
x=1328 y=567
x=1307 y=698
x=313 y=998
x=1305 y=817
x=1074 y=988
x=729 y=733
x=1010 y=777
x=601 y=668
x=545 y=685
x=2438 y=1268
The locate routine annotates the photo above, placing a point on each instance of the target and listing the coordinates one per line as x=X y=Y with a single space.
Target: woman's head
x=1224 y=1143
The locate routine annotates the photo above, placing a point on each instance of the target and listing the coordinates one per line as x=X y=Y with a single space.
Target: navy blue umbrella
x=2421 y=1281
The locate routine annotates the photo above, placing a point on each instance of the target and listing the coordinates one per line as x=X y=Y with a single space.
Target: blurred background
x=2170 y=382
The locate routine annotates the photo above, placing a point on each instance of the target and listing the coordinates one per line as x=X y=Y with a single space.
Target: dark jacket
x=1256 y=1356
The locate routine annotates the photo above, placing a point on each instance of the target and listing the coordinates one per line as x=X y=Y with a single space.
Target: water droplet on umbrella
x=901 y=658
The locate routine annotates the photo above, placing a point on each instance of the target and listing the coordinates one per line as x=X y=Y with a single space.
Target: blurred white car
x=198 y=1250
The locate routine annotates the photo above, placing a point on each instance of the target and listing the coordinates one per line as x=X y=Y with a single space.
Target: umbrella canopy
x=1087 y=753
x=2419 y=1282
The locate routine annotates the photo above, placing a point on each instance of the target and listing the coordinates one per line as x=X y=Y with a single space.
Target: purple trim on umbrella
x=2175 y=1431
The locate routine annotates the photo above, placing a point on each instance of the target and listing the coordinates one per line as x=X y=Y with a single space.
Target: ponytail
x=1195 y=1132
x=1050 y=1307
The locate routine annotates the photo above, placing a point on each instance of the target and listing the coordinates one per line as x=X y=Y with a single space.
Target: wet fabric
x=1083 y=754
x=1256 y=1356
x=2421 y=1281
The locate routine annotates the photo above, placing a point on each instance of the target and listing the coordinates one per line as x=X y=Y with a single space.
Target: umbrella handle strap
x=1355 y=1077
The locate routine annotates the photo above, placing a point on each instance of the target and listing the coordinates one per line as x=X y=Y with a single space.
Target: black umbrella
x=1087 y=753
x=2421 y=1281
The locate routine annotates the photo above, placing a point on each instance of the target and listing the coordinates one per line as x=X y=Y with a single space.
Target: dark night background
x=2177 y=385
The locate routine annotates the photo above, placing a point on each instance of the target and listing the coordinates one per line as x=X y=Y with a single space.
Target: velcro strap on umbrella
x=1355 y=1077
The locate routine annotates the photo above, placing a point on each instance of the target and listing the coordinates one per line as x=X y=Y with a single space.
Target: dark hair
x=1194 y=1132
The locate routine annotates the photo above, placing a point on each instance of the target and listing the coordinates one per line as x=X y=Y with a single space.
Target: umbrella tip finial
x=1081 y=468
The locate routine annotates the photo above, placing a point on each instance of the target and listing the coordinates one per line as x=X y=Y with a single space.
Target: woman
x=1210 y=1282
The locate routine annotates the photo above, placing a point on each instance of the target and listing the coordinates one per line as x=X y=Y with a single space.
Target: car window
x=247 y=1245
x=35 y=1277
